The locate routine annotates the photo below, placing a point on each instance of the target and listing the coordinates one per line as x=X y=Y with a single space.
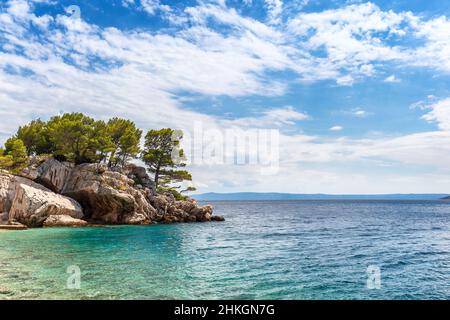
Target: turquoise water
x=265 y=250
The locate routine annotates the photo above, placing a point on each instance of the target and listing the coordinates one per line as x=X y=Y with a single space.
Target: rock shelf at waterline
x=50 y=193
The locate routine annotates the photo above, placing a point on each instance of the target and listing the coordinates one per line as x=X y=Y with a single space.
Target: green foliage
x=125 y=138
x=35 y=138
x=14 y=157
x=177 y=195
x=189 y=189
x=6 y=161
x=168 y=176
x=79 y=138
x=162 y=154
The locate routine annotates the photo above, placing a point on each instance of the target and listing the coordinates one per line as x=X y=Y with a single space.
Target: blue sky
x=358 y=90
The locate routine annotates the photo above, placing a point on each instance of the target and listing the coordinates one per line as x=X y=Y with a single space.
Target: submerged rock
x=64 y=221
x=12 y=224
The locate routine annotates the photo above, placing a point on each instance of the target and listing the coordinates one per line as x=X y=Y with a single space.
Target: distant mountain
x=292 y=196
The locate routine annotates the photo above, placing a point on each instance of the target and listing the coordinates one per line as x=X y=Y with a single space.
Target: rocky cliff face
x=4 y=186
x=108 y=197
x=169 y=210
x=53 y=193
x=31 y=204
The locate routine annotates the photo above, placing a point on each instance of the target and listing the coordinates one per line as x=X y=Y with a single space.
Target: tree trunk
x=156 y=177
x=113 y=153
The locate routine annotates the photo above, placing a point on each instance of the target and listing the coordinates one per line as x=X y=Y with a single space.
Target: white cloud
x=19 y=8
x=355 y=38
x=178 y=64
x=440 y=113
x=392 y=79
x=317 y=165
x=436 y=51
x=151 y=7
x=336 y=128
x=277 y=117
x=230 y=17
x=107 y=72
x=18 y=13
x=275 y=9
x=345 y=80
x=348 y=36
x=360 y=113
x=128 y=3
x=286 y=115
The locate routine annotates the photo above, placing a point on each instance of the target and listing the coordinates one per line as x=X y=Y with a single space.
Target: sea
x=308 y=249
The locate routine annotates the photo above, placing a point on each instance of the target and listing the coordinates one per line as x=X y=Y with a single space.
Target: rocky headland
x=50 y=193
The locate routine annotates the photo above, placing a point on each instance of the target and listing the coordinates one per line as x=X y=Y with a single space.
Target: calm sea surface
x=265 y=250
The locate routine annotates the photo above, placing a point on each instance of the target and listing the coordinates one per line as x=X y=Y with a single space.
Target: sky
x=358 y=91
